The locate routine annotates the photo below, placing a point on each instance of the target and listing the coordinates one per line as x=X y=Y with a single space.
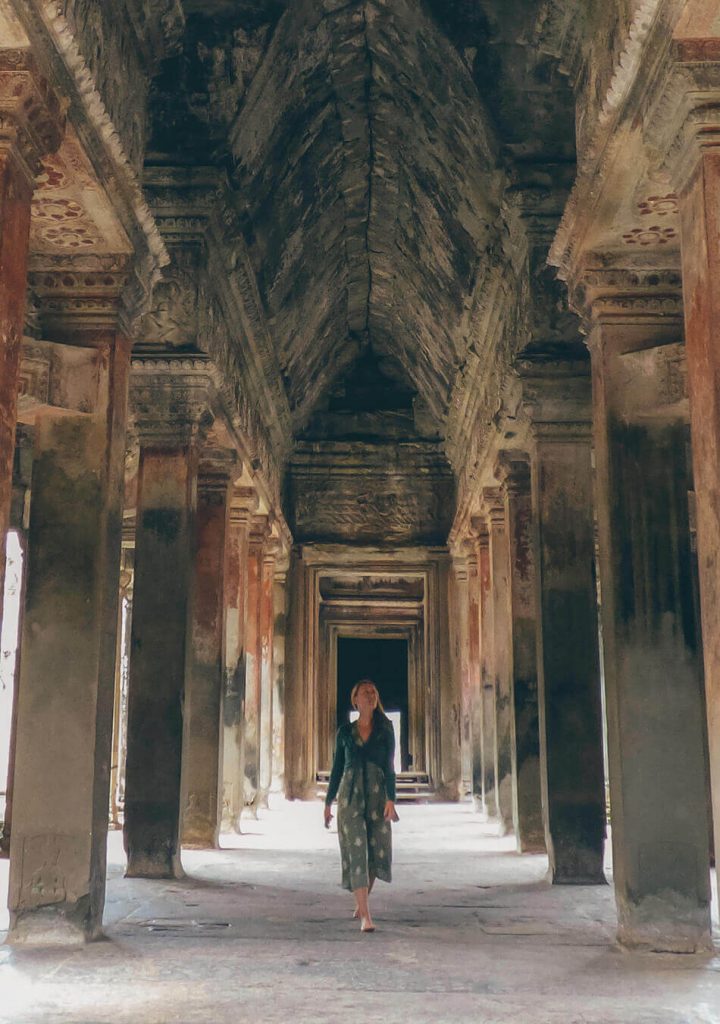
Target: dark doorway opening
x=386 y=663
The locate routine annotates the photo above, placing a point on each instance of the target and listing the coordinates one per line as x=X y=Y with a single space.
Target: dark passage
x=386 y=663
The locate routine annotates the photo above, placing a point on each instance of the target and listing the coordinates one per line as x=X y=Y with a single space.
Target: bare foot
x=356 y=914
x=367 y=925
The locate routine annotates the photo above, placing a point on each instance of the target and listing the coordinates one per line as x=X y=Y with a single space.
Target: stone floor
x=261 y=931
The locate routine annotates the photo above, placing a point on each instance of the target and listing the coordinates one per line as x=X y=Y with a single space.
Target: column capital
x=32 y=117
x=260 y=527
x=512 y=471
x=557 y=397
x=479 y=530
x=216 y=469
x=628 y=295
x=80 y=294
x=172 y=400
x=243 y=505
x=494 y=507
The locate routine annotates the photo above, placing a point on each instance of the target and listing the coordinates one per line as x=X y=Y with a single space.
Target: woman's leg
x=363 y=910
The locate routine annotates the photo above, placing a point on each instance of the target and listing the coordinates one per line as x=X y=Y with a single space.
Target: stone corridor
x=469 y=931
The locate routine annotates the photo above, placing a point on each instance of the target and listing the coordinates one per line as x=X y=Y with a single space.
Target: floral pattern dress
x=363 y=778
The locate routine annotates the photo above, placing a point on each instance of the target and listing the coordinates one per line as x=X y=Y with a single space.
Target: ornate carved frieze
x=32 y=118
x=632 y=292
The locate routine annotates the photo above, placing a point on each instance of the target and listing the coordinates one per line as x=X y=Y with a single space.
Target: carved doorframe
x=391 y=629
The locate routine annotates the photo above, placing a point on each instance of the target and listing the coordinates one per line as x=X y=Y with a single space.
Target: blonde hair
x=366 y=682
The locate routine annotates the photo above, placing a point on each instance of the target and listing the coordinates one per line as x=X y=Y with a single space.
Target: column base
x=148 y=866
x=63 y=924
x=200 y=834
x=531 y=843
x=667 y=924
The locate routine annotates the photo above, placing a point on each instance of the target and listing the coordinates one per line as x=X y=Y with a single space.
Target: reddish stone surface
x=700 y=225
x=15 y=196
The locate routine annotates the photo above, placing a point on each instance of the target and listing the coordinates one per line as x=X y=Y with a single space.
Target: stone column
x=699 y=194
x=202 y=707
x=502 y=654
x=280 y=600
x=31 y=125
x=484 y=715
x=513 y=469
x=449 y=778
x=299 y=712
x=267 y=622
x=169 y=413
x=558 y=400
x=253 y=673
x=65 y=695
x=461 y=635
x=652 y=652
x=476 y=709
x=243 y=505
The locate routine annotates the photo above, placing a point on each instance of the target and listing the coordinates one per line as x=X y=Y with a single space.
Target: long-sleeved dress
x=363 y=779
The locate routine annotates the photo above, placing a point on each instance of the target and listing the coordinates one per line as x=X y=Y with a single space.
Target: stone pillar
x=558 y=400
x=280 y=596
x=65 y=696
x=502 y=655
x=461 y=637
x=653 y=678
x=448 y=781
x=475 y=680
x=513 y=469
x=299 y=711
x=484 y=714
x=202 y=707
x=699 y=194
x=31 y=125
x=243 y=505
x=253 y=672
x=267 y=622
x=168 y=410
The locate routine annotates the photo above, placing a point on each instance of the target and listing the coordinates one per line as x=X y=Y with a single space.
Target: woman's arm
x=389 y=769
x=337 y=769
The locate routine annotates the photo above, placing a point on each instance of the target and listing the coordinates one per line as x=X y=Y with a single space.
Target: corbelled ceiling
x=369 y=143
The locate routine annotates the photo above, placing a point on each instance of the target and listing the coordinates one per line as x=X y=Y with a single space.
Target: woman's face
x=366 y=698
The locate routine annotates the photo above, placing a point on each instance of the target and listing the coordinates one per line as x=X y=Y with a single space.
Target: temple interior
x=347 y=339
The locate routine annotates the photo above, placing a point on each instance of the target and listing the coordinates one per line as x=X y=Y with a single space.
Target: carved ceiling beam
x=172 y=402
x=59 y=57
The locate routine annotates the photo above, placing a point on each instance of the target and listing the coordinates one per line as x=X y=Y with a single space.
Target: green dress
x=363 y=778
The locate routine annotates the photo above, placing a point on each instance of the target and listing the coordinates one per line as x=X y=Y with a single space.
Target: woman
x=363 y=778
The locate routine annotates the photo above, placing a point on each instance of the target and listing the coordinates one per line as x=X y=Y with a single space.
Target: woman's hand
x=328 y=815
x=390 y=812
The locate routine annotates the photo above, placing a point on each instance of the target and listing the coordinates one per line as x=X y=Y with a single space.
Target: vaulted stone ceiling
x=370 y=144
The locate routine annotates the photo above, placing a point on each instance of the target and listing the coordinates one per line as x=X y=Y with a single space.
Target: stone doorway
x=386 y=663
